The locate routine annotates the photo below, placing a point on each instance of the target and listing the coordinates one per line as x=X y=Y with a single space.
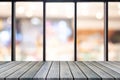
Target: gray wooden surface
x=64 y=70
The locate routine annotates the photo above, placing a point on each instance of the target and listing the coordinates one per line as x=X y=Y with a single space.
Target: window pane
x=90 y=31
x=29 y=31
x=59 y=31
x=5 y=31
x=114 y=31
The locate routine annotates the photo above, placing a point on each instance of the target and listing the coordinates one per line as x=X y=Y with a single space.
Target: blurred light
x=63 y=24
x=35 y=21
x=4 y=35
x=20 y=10
x=18 y=37
x=63 y=30
x=99 y=15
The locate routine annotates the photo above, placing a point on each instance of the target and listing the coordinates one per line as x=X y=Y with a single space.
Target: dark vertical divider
x=75 y=34
x=106 y=31
x=13 y=32
x=44 y=30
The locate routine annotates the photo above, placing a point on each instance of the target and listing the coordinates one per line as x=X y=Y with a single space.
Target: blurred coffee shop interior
x=60 y=31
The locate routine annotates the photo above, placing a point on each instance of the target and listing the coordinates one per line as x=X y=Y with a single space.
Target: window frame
x=13 y=53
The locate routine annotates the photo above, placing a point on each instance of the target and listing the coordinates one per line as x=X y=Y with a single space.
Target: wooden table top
x=60 y=70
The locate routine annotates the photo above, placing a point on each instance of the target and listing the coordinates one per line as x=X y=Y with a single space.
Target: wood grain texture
x=30 y=73
x=7 y=66
x=77 y=73
x=42 y=73
x=3 y=62
x=118 y=63
x=60 y=70
x=101 y=73
x=11 y=70
x=91 y=75
x=114 y=64
x=114 y=68
x=21 y=71
x=107 y=70
x=65 y=73
x=54 y=72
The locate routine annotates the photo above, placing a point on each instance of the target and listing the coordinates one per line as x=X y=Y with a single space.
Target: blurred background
x=90 y=31
x=5 y=31
x=59 y=31
x=29 y=31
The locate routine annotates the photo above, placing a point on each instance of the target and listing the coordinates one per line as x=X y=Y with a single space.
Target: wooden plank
x=65 y=73
x=54 y=71
x=115 y=61
x=7 y=66
x=88 y=72
x=30 y=74
x=42 y=73
x=114 y=64
x=110 y=66
x=77 y=73
x=101 y=73
x=20 y=72
x=3 y=62
x=12 y=70
x=107 y=70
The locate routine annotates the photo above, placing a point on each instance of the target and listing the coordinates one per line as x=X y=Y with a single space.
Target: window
x=60 y=31
x=29 y=31
x=90 y=31
x=5 y=31
x=114 y=31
